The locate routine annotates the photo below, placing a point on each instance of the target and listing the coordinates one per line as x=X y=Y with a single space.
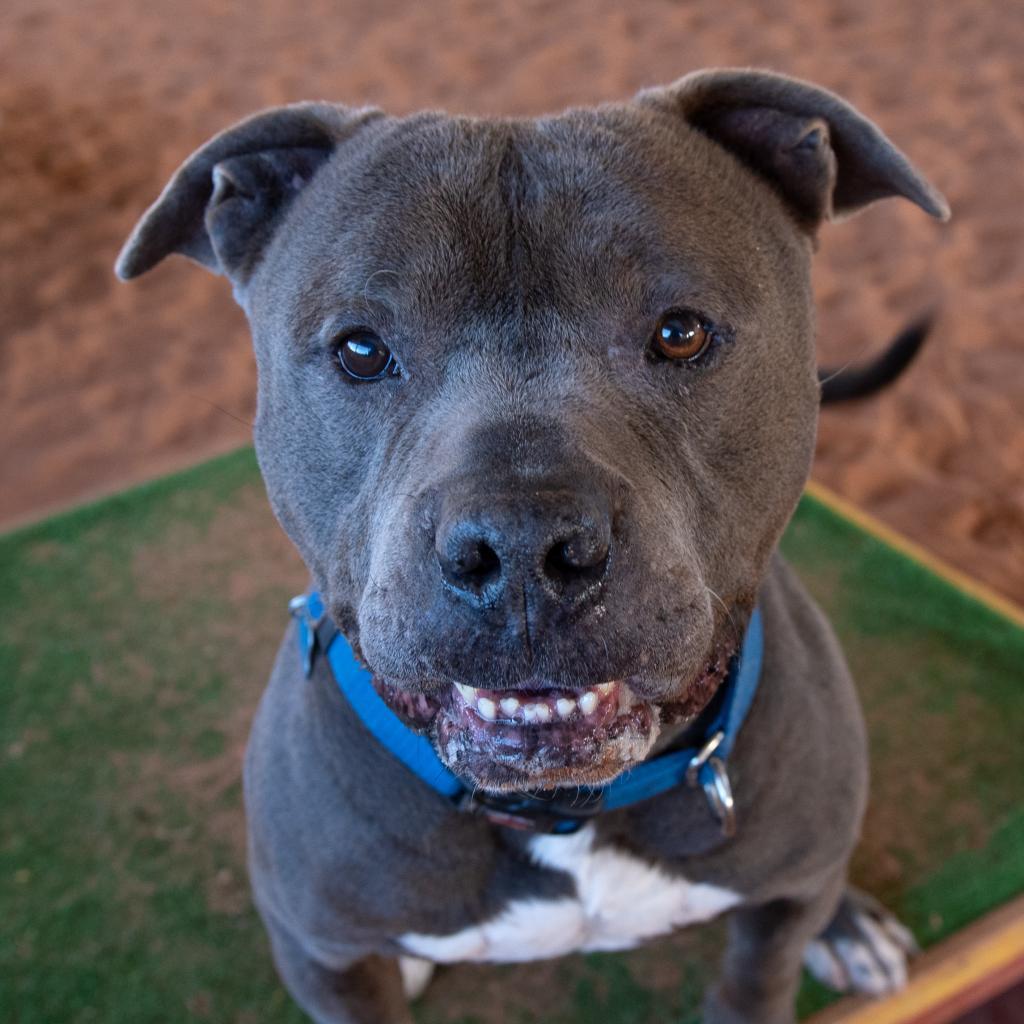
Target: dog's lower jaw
x=503 y=741
x=499 y=757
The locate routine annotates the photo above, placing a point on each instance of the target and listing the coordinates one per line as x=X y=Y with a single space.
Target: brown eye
x=681 y=334
x=364 y=356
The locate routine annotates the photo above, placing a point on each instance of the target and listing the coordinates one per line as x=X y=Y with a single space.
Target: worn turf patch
x=135 y=637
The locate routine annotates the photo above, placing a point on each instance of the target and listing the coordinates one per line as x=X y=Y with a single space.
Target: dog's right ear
x=224 y=203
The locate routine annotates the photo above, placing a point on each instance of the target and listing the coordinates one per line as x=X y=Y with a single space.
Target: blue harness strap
x=703 y=766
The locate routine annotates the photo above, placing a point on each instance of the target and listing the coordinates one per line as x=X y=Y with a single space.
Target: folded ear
x=224 y=203
x=823 y=157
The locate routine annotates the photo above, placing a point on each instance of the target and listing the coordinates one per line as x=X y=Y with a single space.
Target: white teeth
x=537 y=713
x=540 y=712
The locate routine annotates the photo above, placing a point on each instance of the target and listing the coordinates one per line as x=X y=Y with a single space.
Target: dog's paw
x=864 y=948
x=416 y=975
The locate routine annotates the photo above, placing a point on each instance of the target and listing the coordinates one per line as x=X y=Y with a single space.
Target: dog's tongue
x=592 y=706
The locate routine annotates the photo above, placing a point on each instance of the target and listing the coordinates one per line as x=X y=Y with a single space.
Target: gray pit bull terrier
x=536 y=401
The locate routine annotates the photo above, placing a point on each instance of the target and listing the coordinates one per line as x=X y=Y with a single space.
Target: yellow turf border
x=876 y=528
x=987 y=957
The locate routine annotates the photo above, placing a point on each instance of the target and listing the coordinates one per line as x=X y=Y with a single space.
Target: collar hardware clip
x=710 y=773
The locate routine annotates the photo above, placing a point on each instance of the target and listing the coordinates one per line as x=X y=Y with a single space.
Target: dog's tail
x=845 y=383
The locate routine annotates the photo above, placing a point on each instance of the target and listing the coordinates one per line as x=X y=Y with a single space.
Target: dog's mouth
x=538 y=737
x=544 y=737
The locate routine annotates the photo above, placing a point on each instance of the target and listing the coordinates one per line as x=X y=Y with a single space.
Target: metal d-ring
x=715 y=783
x=718 y=791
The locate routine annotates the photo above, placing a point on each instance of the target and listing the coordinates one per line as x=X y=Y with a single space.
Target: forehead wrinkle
x=450 y=226
x=462 y=219
x=486 y=209
x=474 y=254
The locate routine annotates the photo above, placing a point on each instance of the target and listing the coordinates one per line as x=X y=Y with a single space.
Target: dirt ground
x=103 y=383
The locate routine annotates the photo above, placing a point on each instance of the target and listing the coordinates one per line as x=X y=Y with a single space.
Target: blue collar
x=553 y=811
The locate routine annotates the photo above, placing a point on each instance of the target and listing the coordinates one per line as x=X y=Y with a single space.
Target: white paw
x=864 y=949
x=416 y=975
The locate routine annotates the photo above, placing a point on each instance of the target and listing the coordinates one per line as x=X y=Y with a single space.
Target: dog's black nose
x=555 y=544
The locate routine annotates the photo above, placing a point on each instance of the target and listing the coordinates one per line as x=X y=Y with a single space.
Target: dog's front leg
x=366 y=991
x=763 y=960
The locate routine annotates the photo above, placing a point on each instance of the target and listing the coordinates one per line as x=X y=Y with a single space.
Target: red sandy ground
x=103 y=383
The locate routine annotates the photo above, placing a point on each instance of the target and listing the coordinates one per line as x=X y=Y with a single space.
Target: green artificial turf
x=135 y=637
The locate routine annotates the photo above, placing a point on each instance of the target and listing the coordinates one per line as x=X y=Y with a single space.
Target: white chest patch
x=620 y=901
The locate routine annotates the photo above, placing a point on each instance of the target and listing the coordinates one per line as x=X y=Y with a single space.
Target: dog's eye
x=682 y=335
x=364 y=356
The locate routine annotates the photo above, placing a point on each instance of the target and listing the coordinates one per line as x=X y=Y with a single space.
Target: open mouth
x=542 y=737
x=596 y=705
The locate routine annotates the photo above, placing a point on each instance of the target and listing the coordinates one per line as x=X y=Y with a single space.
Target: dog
x=537 y=398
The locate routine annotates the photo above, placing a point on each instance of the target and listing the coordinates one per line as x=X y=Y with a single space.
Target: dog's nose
x=556 y=544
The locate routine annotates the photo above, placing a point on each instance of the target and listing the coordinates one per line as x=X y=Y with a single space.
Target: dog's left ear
x=821 y=155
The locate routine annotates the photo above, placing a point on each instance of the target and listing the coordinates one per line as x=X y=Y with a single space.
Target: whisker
x=220 y=408
x=836 y=372
x=376 y=273
x=728 y=612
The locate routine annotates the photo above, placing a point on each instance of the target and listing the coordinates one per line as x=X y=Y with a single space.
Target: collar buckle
x=316 y=633
x=546 y=813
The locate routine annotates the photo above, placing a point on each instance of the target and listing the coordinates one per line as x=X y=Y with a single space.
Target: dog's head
x=537 y=397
